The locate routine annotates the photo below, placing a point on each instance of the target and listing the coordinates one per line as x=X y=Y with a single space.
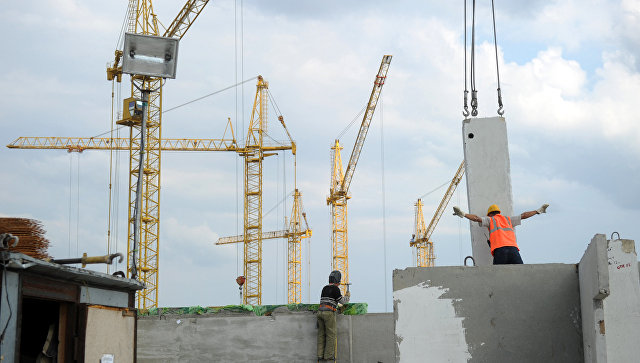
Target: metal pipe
x=87 y=260
x=136 y=222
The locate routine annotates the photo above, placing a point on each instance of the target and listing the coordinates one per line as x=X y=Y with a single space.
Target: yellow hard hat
x=493 y=208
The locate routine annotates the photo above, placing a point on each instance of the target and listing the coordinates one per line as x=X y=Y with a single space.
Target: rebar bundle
x=31 y=234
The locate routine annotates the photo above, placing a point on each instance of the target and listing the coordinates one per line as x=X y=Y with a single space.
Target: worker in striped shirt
x=327 y=331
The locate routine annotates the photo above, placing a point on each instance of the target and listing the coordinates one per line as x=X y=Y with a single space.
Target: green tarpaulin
x=260 y=310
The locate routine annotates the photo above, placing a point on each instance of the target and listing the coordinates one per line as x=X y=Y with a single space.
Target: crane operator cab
x=131 y=112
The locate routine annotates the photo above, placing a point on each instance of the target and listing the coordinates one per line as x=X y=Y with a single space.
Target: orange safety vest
x=501 y=233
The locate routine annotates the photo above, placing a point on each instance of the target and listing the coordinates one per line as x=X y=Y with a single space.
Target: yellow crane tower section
x=421 y=238
x=254 y=153
x=339 y=189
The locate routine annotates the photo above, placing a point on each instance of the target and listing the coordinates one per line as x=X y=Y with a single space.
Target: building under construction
x=55 y=309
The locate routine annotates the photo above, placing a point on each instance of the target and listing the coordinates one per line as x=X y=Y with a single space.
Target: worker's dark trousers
x=506 y=256
x=327 y=334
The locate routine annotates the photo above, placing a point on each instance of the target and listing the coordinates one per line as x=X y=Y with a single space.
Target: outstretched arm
x=472 y=217
x=532 y=213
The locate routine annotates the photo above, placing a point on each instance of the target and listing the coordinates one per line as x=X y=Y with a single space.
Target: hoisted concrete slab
x=488 y=173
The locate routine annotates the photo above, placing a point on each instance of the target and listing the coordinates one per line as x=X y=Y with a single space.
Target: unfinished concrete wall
x=610 y=293
x=509 y=313
x=488 y=172
x=594 y=287
x=622 y=306
x=282 y=337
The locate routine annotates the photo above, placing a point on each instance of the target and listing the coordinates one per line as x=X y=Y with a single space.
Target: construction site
x=188 y=201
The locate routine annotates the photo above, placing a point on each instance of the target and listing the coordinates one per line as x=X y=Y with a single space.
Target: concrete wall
x=509 y=313
x=282 y=337
x=594 y=287
x=488 y=171
x=610 y=293
x=622 y=306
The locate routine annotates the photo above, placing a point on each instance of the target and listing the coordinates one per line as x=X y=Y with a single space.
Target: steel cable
x=495 y=44
x=474 y=91
x=465 y=113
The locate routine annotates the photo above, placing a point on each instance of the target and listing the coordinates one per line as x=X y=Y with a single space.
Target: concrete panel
x=488 y=173
x=109 y=332
x=94 y=296
x=282 y=337
x=622 y=306
x=509 y=313
x=372 y=338
x=594 y=287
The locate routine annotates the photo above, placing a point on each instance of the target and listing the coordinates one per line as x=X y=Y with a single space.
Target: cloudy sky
x=569 y=77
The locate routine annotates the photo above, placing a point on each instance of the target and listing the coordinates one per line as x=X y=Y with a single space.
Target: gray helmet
x=334 y=277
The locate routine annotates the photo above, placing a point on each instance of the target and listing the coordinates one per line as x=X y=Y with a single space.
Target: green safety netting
x=259 y=310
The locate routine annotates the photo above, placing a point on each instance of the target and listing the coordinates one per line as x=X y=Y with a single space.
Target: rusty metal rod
x=86 y=260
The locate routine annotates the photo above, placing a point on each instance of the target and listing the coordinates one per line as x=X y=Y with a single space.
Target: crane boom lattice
x=339 y=189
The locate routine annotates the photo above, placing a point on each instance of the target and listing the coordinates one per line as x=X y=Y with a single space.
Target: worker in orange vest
x=502 y=236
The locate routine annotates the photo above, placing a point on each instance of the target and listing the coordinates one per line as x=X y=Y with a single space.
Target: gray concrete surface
x=510 y=313
x=282 y=337
x=594 y=287
x=622 y=307
x=488 y=173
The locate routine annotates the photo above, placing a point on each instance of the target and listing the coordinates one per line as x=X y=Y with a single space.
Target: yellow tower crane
x=339 y=189
x=254 y=151
x=421 y=238
x=294 y=235
x=141 y=20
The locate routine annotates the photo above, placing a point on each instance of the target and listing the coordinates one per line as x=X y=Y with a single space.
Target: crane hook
x=474 y=103
x=465 y=113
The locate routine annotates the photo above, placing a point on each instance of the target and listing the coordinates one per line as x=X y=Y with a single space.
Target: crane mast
x=147 y=253
x=424 y=247
x=294 y=249
x=339 y=189
x=253 y=156
x=422 y=237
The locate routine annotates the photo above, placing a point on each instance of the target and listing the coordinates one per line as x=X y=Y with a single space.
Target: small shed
x=57 y=313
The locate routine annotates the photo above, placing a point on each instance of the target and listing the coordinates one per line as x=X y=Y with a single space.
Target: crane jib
x=366 y=121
